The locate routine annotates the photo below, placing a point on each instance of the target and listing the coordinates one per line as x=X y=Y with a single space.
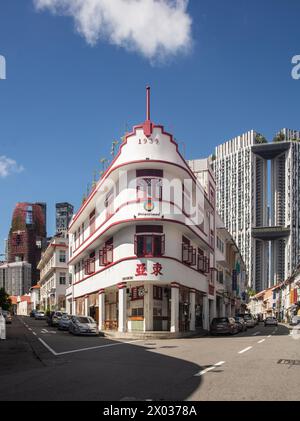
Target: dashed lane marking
x=261 y=341
x=245 y=350
x=206 y=370
x=256 y=333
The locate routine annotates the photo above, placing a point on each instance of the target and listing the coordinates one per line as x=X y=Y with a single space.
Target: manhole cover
x=289 y=362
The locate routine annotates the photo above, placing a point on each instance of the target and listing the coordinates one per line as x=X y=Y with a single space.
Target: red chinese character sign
x=141 y=269
x=157 y=269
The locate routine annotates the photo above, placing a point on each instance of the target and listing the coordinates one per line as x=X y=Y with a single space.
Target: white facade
x=141 y=259
x=35 y=296
x=54 y=274
x=269 y=241
x=15 y=278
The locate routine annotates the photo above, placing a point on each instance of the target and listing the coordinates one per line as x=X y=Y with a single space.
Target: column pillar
x=192 y=310
x=175 y=307
x=205 y=313
x=101 y=301
x=148 y=308
x=73 y=307
x=122 y=308
x=86 y=304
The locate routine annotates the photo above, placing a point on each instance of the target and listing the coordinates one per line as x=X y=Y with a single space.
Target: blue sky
x=64 y=101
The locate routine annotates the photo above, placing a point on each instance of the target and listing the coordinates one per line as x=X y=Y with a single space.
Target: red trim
x=175 y=285
x=111 y=168
x=203 y=293
x=125 y=259
x=140 y=219
x=101 y=291
x=122 y=285
x=127 y=204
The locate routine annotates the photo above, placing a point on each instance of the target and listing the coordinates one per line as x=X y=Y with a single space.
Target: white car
x=250 y=322
x=271 y=321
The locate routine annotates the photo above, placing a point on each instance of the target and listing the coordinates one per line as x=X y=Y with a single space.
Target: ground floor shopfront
x=147 y=307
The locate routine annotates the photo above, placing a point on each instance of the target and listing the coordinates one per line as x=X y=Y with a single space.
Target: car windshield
x=65 y=317
x=85 y=320
x=247 y=316
x=220 y=320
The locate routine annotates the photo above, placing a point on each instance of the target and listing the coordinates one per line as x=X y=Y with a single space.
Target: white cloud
x=9 y=166
x=157 y=29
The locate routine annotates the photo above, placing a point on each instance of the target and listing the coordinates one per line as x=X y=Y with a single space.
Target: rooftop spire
x=148 y=103
x=148 y=126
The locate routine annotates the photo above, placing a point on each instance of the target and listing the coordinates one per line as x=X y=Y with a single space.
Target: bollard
x=2 y=327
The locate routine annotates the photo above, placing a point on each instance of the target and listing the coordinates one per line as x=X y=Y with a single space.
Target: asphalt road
x=41 y=363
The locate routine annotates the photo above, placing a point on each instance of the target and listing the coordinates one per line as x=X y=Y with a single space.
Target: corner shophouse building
x=138 y=261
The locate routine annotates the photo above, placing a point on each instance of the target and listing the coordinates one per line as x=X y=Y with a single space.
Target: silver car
x=40 y=315
x=64 y=322
x=295 y=321
x=271 y=321
x=250 y=322
x=83 y=325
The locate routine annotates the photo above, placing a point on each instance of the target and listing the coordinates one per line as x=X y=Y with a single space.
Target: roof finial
x=148 y=103
x=148 y=126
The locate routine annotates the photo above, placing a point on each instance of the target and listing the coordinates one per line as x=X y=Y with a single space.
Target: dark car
x=83 y=325
x=224 y=325
x=32 y=313
x=241 y=323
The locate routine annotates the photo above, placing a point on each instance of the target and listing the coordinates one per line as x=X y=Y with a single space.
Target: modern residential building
x=142 y=244
x=230 y=270
x=27 y=235
x=15 y=277
x=258 y=197
x=64 y=213
x=54 y=274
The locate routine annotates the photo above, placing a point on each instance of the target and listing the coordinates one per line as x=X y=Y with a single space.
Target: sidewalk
x=17 y=352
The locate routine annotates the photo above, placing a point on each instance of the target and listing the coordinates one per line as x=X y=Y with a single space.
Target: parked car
x=256 y=321
x=32 y=313
x=271 y=321
x=295 y=321
x=40 y=315
x=64 y=322
x=224 y=325
x=241 y=323
x=55 y=317
x=250 y=322
x=7 y=315
x=83 y=325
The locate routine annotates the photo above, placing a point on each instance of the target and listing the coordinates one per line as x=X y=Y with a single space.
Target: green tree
x=5 y=301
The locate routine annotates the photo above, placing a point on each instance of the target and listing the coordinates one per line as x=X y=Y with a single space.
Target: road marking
x=245 y=350
x=269 y=336
x=256 y=333
x=29 y=328
x=261 y=341
x=85 y=349
x=34 y=333
x=209 y=369
x=48 y=347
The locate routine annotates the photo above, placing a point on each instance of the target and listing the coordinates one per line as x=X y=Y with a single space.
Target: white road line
x=269 y=336
x=84 y=349
x=245 y=350
x=29 y=328
x=261 y=341
x=209 y=368
x=34 y=333
x=256 y=333
x=48 y=347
